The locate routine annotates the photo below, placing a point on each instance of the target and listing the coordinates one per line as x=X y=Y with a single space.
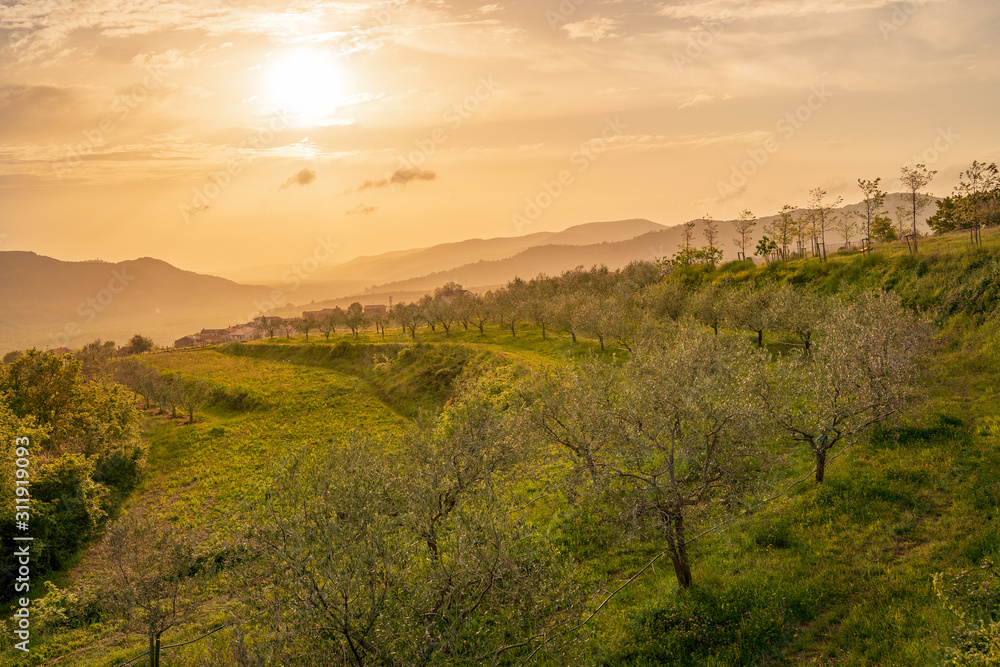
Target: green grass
x=838 y=574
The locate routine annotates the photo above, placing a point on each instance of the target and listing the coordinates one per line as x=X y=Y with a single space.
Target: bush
x=735 y=625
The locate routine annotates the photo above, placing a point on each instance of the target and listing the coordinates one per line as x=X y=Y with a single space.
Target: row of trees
x=974 y=204
x=414 y=549
x=169 y=391
x=684 y=429
x=353 y=319
x=617 y=307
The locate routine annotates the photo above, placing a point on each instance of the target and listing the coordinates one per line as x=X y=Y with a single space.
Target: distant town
x=271 y=326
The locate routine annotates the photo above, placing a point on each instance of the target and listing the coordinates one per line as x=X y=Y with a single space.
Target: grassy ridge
x=838 y=574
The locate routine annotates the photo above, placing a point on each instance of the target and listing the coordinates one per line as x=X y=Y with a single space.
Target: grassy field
x=833 y=575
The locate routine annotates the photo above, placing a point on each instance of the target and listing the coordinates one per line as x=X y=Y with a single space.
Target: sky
x=225 y=134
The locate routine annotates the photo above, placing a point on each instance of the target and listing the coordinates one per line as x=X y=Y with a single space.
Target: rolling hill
x=48 y=303
x=558 y=254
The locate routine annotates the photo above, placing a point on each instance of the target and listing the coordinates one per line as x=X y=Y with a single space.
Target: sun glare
x=305 y=83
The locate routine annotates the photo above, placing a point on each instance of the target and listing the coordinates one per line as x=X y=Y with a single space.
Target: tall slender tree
x=873 y=203
x=916 y=179
x=744 y=226
x=711 y=232
x=822 y=214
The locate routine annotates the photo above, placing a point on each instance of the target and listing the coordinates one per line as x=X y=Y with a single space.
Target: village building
x=186 y=341
x=244 y=332
x=210 y=336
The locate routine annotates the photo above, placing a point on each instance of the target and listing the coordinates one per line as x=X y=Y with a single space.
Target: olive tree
x=707 y=306
x=408 y=551
x=798 y=311
x=266 y=325
x=675 y=428
x=750 y=308
x=354 y=318
x=194 y=393
x=408 y=316
x=153 y=577
x=328 y=323
x=305 y=324
x=862 y=370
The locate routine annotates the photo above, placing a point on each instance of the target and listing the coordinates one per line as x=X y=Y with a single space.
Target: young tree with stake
x=916 y=179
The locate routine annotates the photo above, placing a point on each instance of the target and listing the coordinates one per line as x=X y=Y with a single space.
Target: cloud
x=702 y=98
x=361 y=209
x=399 y=177
x=713 y=10
x=304 y=177
x=172 y=59
x=595 y=29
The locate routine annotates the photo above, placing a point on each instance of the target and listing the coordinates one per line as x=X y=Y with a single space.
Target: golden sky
x=236 y=133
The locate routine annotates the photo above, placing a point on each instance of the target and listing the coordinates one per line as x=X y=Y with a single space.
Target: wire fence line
x=142 y=655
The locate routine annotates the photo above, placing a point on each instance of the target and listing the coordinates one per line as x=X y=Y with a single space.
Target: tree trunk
x=543 y=330
x=573 y=334
x=152 y=650
x=678 y=551
x=820 y=465
x=760 y=338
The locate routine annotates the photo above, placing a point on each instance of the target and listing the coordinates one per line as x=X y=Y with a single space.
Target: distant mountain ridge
x=359 y=273
x=48 y=303
x=554 y=258
x=45 y=302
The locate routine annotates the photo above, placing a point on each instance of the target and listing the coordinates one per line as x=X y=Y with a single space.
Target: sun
x=305 y=82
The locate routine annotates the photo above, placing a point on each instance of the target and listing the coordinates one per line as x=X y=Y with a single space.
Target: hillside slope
x=558 y=253
x=45 y=302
